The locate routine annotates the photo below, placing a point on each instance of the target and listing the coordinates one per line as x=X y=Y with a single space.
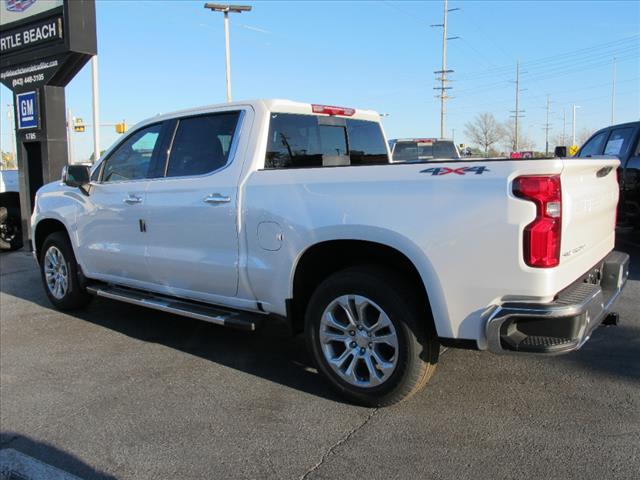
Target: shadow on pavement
x=612 y=351
x=50 y=455
x=615 y=351
x=270 y=352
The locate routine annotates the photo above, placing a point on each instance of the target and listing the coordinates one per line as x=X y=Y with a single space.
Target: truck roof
x=272 y=105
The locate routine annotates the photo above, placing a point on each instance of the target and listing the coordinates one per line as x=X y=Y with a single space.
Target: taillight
x=331 y=110
x=542 y=236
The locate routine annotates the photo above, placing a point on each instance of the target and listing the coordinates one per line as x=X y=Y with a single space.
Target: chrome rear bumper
x=565 y=324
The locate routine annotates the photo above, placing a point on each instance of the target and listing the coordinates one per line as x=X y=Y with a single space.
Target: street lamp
x=217 y=7
x=573 y=125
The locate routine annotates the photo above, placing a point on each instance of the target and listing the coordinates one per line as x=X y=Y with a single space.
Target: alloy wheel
x=359 y=341
x=56 y=272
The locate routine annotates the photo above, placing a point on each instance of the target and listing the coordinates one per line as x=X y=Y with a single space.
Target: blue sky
x=159 y=56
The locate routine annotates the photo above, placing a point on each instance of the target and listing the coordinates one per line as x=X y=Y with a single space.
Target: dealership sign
x=20 y=10
x=45 y=42
x=44 y=31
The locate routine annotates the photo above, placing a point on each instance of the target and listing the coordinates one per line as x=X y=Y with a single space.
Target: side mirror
x=76 y=176
x=560 y=152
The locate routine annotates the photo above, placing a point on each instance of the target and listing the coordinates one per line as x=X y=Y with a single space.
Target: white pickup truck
x=271 y=209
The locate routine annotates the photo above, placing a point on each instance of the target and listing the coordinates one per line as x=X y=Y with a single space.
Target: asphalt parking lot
x=117 y=391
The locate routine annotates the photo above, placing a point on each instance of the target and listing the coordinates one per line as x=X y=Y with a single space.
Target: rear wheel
x=368 y=336
x=60 y=273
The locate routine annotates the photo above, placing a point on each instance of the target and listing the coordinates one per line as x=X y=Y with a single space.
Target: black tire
x=75 y=295
x=10 y=229
x=418 y=346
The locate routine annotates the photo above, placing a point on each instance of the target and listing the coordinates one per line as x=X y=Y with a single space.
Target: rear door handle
x=132 y=199
x=216 y=198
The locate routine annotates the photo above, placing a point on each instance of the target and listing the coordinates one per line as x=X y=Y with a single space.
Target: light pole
x=96 y=111
x=573 y=125
x=217 y=7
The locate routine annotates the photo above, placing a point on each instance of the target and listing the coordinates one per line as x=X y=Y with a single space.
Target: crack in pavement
x=337 y=444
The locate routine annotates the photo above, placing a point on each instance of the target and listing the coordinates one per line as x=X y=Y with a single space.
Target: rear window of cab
x=308 y=141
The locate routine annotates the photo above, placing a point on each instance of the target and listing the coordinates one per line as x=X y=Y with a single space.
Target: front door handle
x=132 y=199
x=216 y=198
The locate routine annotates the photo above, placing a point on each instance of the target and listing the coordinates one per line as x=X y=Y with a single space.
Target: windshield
x=413 y=151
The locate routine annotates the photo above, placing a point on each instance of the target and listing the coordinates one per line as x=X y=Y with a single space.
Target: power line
x=578 y=68
x=567 y=57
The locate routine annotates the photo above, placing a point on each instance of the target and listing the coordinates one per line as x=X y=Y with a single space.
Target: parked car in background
x=422 y=149
x=10 y=220
x=251 y=212
x=623 y=142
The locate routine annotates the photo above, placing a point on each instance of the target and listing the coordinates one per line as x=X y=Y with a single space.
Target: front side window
x=201 y=144
x=618 y=142
x=303 y=141
x=593 y=146
x=132 y=159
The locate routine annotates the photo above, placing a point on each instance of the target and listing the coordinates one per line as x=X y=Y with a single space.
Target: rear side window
x=366 y=143
x=201 y=144
x=619 y=141
x=303 y=141
x=593 y=146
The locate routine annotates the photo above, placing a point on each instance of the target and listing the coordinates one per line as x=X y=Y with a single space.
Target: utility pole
x=573 y=125
x=546 y=129
x=216 y=7
x=517 y=99
x=96 y=111
x=517 y=113
x=564 y=126
x=613 y=93
x=443 y=72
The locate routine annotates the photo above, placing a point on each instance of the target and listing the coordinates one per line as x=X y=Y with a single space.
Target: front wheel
x=368 y=336
x=60 y=273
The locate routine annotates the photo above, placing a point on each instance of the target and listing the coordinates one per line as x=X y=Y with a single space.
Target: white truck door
x=191 y=219
x=111 y=241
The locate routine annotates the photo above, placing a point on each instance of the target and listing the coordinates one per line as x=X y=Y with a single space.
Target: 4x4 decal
x=458 y=171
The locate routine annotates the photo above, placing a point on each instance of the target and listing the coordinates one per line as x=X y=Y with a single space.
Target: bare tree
x=524 y=141
x=484 y=131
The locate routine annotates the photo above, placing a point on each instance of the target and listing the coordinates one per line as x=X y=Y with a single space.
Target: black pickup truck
x=622 y=141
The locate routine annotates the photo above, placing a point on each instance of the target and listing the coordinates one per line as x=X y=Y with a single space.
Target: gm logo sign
x=27 y=104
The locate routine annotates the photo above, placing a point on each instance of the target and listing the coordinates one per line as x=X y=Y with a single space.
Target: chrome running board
x=185 y=308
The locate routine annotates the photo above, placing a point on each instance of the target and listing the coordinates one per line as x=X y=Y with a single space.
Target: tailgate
x=589 y=198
